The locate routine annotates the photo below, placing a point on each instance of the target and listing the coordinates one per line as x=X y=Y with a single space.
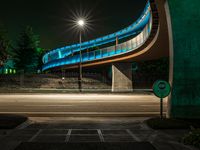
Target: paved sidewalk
x=75 y=130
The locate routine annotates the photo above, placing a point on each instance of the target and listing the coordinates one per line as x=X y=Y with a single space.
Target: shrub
x=157 y=123
x=193 y=138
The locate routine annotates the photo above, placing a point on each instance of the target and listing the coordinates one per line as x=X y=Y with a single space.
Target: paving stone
x=159 y=137
x=165 y=145
x=121 y=132
x=24 y=132
x=17 y=138
x=1 y=136
x=37 y=126
x=9 y=145
x=84 y=138
x=144 y=137
x=86 y=146
x=176 y=135
x=142 y=131
x=87 y=132
x=50 y=138
x=84 y=132
x=4 y=132
x=118 y=138
x=53 y=132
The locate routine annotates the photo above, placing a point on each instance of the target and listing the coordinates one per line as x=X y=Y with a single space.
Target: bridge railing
x=129 y=31
x=125 y=47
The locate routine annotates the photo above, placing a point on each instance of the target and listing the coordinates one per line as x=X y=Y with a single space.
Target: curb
x=23 y=125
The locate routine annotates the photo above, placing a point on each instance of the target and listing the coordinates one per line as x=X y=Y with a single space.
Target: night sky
x=51 y=19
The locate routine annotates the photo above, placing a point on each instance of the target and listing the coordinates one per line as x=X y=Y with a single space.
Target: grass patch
x=157 y=123
x=11 y=121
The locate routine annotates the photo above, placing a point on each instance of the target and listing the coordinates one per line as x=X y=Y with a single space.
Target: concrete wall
x=184 y=22
x=122 y=77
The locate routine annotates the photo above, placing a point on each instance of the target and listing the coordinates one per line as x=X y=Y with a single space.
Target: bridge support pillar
x=122 y=77
x=184 y=101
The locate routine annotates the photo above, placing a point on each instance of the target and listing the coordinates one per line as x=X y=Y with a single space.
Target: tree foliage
x=160 y=66
x=26 y=53
x=4 y=46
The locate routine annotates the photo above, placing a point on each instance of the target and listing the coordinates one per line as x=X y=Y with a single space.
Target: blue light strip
x=61 y=56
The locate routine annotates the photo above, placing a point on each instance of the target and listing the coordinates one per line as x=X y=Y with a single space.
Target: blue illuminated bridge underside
x=137 y=34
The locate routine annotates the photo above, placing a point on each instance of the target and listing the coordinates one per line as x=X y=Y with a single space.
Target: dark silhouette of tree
x=26 y=53
x=41 y=53
x=4 y=46
x=160 y=66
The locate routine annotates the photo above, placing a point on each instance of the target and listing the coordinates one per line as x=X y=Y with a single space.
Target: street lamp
x=81 y=24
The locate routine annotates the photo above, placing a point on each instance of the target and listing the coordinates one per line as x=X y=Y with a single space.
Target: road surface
x=80 y=104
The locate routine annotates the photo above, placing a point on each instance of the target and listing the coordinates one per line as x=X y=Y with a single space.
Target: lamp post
x=81 y=24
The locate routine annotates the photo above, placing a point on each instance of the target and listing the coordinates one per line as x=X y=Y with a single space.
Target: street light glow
x=80 y=20
x=81 y=23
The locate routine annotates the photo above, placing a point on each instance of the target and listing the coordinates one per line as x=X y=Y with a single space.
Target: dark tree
x=26 y=55
x=41 y=53
x=4 y=46
x=160 y=66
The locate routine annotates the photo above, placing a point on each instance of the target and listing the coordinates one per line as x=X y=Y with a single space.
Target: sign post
x=161 y=108
x=161 y=89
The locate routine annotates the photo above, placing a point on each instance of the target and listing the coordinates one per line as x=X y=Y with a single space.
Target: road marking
x=68 y=135
x=144 y=126
x=152 y=138
x=34 y=136
x=133 y=136
x=100 y=135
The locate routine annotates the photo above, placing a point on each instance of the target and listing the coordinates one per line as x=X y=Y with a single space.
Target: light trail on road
x=80 y=104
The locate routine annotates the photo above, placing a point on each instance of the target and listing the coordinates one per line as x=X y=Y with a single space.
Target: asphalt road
x=80 y=104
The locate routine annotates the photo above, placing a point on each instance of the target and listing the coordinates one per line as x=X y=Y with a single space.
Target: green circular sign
x=161 y=88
